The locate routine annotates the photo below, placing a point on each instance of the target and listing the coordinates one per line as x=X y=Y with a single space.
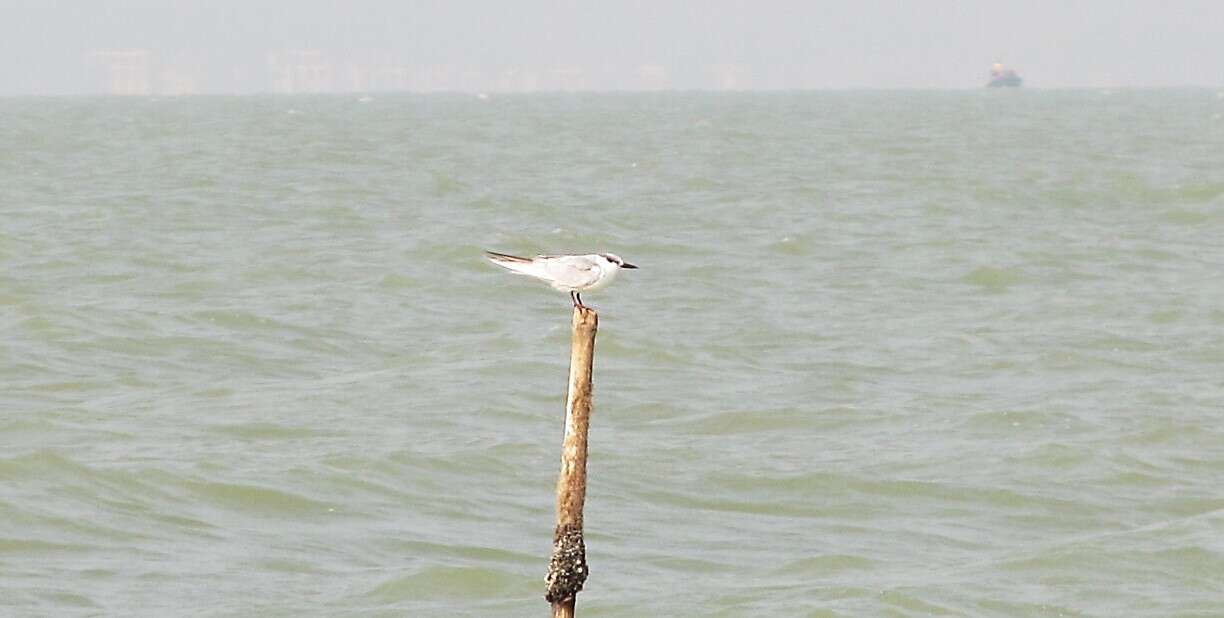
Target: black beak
x=627 y=265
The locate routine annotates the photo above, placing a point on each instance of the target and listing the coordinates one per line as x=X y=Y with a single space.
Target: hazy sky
x=46 y=47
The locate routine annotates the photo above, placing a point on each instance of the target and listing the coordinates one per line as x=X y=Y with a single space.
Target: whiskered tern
x=566 y=273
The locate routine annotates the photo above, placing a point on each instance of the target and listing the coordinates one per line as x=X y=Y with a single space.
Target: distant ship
x=1003 y=78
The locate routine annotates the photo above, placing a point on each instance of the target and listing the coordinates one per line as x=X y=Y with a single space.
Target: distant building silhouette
x=730 y=76
x=652 y=77
x=298 y=71
x=128 y=70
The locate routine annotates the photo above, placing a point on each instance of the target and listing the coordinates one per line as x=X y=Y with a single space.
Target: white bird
x=566 y=273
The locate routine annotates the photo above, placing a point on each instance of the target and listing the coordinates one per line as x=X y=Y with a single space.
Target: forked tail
x=497 y=258
x=513 y=263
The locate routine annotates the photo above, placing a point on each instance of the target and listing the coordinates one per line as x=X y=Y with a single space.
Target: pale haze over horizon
x=193 y=46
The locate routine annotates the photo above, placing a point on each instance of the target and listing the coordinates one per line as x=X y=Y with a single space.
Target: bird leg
x=574 y=296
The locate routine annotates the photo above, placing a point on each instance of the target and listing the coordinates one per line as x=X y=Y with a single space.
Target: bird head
x=616 y=259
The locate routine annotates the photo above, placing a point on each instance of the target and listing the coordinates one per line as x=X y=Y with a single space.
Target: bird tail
x=496 y=257
x=513 y=263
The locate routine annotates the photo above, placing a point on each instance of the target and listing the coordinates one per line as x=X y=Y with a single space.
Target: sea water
x=888 y=353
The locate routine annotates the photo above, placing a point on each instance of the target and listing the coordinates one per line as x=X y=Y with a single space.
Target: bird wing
x=571 y=271
x=518 y=265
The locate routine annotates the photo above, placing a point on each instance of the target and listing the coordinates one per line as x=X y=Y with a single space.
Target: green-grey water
x=887 y=354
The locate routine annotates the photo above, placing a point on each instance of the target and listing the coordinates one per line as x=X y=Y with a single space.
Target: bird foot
x=577 y=300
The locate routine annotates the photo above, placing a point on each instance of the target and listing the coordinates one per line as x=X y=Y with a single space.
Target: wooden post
x=567 y=569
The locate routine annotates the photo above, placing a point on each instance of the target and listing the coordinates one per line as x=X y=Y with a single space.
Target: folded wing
x=519 y=265
x=570 y=271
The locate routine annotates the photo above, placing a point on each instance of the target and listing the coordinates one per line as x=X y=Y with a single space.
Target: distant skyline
x=194 y=46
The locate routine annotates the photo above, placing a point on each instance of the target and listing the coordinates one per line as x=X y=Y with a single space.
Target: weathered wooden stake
x=567 y=569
